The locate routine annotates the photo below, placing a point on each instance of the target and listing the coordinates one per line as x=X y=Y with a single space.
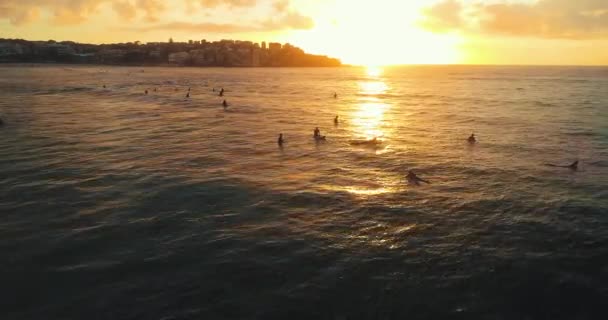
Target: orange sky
x=378 y=32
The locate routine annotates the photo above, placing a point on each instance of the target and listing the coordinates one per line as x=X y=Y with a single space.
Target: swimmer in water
x=280 y=140
x=104 y=86
x=414 y=179
x=472 y=138
x=573 y=166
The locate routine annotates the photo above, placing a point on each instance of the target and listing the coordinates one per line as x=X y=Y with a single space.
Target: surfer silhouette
x=472 y=138
x=573 y=166
x=414 y=179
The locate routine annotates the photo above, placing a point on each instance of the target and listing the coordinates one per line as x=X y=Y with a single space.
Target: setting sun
x=377 y=33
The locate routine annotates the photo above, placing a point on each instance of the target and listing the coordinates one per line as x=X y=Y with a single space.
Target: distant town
x=224 y=53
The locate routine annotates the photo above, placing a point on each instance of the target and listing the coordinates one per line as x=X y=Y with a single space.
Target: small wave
x=544 y=104
x=582 y=133
x=64 y=90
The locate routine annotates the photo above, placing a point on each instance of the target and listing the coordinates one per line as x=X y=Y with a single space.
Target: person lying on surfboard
x=573 y=166
x=414 y=179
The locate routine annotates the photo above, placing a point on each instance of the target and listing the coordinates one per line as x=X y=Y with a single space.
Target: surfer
x=104 y=86
x=188 y=94
x=317 y=133
x=1 y=122
x=222 y=92
x=414 y=179
x=280 y=140
x=573 y=166
x=336 y=120
x=472 y=138
x=335 y=95
x=146 y=92
x=225 y=104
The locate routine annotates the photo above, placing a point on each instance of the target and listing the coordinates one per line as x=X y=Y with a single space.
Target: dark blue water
x=119 y=205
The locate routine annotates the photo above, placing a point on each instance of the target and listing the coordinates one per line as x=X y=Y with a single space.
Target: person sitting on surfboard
x=225 y=104
x=317 y=133
x=336 y=120
x=472 y=139
x=280 y=140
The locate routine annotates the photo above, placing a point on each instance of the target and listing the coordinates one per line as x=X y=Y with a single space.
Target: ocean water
x=119 y=205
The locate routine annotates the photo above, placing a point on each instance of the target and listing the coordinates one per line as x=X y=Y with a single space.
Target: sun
x=377 y=33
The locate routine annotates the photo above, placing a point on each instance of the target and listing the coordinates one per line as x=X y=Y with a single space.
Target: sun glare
x=378 y=33
x=373 y=71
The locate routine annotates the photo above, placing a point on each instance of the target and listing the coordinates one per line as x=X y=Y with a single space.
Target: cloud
x=443 y=16
x=291 y=20
x=196 y=27
x=281 y=5
x=72 y=12
x=125 y=9
x=63 y=12
x=18 y=15
x=152 y=8
x=580 y=19
x=229 y=3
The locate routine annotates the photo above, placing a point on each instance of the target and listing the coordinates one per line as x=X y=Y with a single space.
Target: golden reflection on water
x=368 y=119
x=362 y=191
x=369 y=115
x=372 y=87
x=373 y=71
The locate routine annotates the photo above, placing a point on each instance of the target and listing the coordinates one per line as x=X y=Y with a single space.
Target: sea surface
x=115 y=204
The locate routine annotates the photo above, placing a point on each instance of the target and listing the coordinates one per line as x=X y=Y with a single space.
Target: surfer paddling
x=414 y=179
